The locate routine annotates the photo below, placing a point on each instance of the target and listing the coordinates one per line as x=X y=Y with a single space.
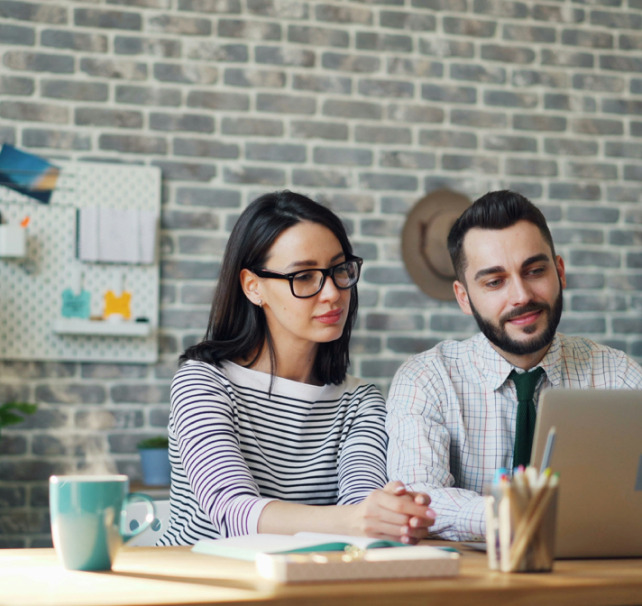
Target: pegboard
x=31 y=288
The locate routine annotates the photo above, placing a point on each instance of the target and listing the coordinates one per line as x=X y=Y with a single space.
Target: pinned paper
x=75 y=300
x=27 y=173
x=118 y=305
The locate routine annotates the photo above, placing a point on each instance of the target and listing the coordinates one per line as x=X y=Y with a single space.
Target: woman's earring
x=260 y=303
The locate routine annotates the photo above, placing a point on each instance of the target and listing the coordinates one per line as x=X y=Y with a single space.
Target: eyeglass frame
x=266 y=273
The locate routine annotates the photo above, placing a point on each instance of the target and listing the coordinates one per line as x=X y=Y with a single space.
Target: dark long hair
x=237 y=328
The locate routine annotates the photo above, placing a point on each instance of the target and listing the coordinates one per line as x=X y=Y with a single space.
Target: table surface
x=175 y=575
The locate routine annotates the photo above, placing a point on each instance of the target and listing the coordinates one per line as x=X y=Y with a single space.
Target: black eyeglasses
x=309 y=282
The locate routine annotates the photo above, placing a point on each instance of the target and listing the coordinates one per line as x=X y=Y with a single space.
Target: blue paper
x=26 y=173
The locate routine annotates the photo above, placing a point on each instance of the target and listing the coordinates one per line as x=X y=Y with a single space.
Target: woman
x=267 y=432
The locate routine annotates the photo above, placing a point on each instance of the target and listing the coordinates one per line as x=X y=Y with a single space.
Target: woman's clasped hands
x=394 y=513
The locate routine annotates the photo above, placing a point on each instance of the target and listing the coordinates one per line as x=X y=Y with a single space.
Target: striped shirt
x=234 y=447
x=452 y=412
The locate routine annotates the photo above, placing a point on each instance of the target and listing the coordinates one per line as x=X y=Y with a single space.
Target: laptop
x=598 y=454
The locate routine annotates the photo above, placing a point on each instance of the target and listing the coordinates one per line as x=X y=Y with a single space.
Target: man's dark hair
x=495 y=210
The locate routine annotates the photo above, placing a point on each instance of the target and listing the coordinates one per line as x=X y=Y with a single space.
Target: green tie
x=525 y=426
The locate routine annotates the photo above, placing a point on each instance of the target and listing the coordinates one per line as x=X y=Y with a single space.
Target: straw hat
x=424 y=242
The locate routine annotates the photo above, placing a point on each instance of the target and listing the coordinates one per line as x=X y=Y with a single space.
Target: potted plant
x=8 y=412
x=154 y=459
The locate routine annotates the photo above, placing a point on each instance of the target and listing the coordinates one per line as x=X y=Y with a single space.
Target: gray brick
x=100 y=370
x=636 y=129
x=597 y=126
x=56 y=139
x=181 y=122
x=214 y=198
x=53 y=418
x=627 y=325
x=48 y=445
x=178 y=219
x=567 y=58
x=621 y=64
x=159 y=417
x=110 y=19
x=594 y=258
x=591 y=214
x=205 y=148
x=383 y=181
x=253 y=174
x=633 y=173
x=620 y=106
x=394 y=322
x=38 y=13
x=572 y=191
x=350 y=203
x=415 y=113
x=501 y=98
x=386 y=275
x=574 y=103
x=410 y=21
x=625 y=237
x=251 y=127
x=616 y=193
x=318 y=178
x=620 y=149
x=630 y=42
x=77 y=91
x=381 y=228
x=584 y=281
x=636 y=86
x=218 y=100
x=92 y=43
x=276 y=55
x=538 y=122
x=532 y=191
x=570 y=147
x=384 y=42
x=322 y=84
x=167 y=344
x=382 y=134
x=633 y=215
x=449 y=93
x=501 y=8
x=318 y=130
x=13 y=85
x=531 y=77
x=279 y=8
x=441 y=5
x=133 y=144
x=440 y=47
x=287 y=104
x=196 y=294
x=342 y=14
x=477 y=119
x=39 y=62
x=469 y=27
x=477 y=73
x=634 y=260
x=201 y=245
x=350 y=63
x=34 y=112
x=406 y=299
x=273 y=152
x=342 y=156
x=592 y=39
x=185 y=73
x=364 y=345
x=318 y=36
x=563 y=235
x=11 y=445
x=452 y=323
x=407 y=159
x=582 y=325
x=597 y=82
x=352 y=109
x=156 y=47
x=380 y=368
x=36 y=370
x=531 y=167
x=140 y=95
x=448 y=138
x=558 y=14
x=90 y=116
x=109 y=419
x=31 y=470
x=249 y=30
x=219 y=7
x=510 y=143
x=619 y=20
x=17 y=34
x=7 y=134
x=81 y=393
x=186 y=26
x=507 y=54
x=12 y=496
x=526 y=33
x=189 y=270
x=142 y=3
x=254 y=78
x=402 y=66
x=592 y=170
x=386 y=88
x=471 y=163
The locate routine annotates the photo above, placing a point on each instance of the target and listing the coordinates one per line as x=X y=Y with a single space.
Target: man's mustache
x=529 y=307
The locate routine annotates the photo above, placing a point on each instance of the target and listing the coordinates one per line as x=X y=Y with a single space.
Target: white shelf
x=76 y=326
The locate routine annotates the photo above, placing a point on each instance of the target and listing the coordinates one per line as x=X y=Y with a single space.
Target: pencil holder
x=13 y=241
x=520 y=528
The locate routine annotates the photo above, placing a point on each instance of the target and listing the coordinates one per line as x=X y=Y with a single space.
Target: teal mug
x=88 y=519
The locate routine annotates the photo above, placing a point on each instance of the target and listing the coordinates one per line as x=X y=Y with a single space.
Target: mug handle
x=132 y=497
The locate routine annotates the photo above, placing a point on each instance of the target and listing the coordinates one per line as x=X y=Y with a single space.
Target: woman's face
x=318 y=319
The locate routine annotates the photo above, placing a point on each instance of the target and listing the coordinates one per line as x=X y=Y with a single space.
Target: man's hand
x=394 y=513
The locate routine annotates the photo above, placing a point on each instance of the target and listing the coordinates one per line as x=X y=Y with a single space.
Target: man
x=461 y=410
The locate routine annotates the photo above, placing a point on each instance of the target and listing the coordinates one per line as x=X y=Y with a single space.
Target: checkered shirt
x=451 y=418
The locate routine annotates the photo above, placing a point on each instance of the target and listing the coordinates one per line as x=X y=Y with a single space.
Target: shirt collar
x=495 y=369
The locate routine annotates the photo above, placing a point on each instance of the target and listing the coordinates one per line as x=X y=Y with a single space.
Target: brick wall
x=364 y=105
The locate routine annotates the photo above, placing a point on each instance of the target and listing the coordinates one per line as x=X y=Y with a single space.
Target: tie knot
x=525 y=382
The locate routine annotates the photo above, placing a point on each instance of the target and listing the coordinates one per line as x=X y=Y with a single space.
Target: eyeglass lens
x=308 y=283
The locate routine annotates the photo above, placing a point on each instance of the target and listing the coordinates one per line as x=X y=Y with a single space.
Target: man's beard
x=498 y=336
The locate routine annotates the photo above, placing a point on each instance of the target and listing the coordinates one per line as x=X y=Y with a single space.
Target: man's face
x=513 y=287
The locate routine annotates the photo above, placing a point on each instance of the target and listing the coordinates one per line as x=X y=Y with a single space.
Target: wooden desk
x=174 y=575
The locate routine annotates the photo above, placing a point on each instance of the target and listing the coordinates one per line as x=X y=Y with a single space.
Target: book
x=247 y=547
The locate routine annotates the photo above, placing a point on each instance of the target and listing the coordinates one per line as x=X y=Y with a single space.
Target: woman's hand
x=394 y=513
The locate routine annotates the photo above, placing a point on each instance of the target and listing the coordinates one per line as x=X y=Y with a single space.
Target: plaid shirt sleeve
x=419 y=452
